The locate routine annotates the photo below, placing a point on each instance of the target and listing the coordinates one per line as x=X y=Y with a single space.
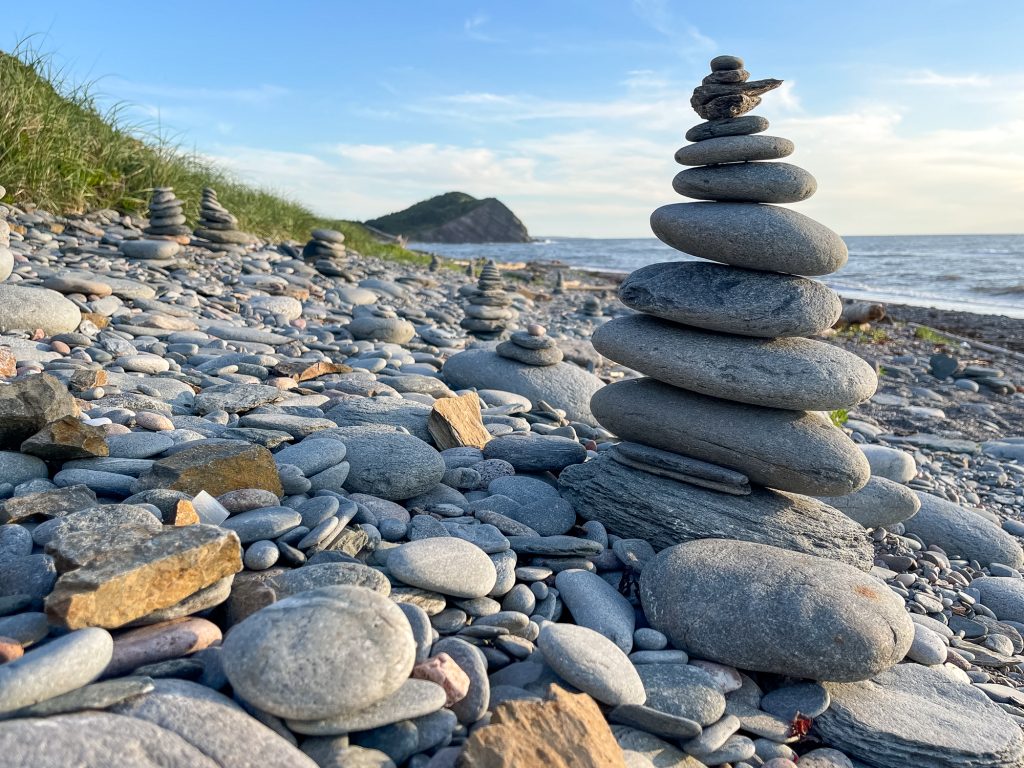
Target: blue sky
x=910 y=114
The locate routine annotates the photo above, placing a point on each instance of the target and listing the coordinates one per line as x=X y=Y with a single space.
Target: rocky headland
x=272 y=503
x=454 y=217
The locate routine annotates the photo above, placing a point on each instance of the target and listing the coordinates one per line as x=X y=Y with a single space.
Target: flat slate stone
x=914 y=715
x=415 y=698
x=265 y=523
x=563 y=385
x=664 y=512
x=591 y=662
x=448 y=565
x=718 y=297
x=770 y=610
x=746 y=182
x=730 y=126
x=752 y=236
x=787 y=450
x=734 y=149
x=535 y=453
x=214 y=724
x=382 y=411
x=795 y=373
x=963 y=533
x=319 y=653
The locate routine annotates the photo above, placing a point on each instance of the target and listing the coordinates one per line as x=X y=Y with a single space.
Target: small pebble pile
x=166 y=216
x=258 y=509
x=216 y=224
x=488 y=307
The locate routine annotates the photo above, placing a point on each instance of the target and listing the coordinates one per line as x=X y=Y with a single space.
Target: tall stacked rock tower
x=488 y=307
x=733 y=389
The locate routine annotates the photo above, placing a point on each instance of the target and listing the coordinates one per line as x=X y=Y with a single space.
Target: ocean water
x=972 y=273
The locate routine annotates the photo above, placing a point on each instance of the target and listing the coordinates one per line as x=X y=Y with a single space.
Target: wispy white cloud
x=687 y=38
x=932 y=78
x=474 y=28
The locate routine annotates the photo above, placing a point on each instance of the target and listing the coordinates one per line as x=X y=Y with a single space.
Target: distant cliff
x=455 y=217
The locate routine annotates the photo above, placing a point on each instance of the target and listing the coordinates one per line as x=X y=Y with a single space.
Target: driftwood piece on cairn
x=861 y=312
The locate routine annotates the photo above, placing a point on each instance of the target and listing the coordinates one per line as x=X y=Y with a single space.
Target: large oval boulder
x=389 y=464
x=753 y=236
x=765 y=609
x=796 y=373
x=24 y=308
x=732 y=300
x=963 y=533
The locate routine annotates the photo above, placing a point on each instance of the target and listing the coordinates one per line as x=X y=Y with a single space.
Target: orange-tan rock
x=443 y=670
x=144 y=577
x=215 y=468
x=566 y=731
x=65 y=439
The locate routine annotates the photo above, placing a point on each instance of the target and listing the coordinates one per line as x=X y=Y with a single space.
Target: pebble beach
x=282 y=504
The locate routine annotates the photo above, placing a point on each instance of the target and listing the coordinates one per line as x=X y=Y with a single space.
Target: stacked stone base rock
x=217 y=225
x=488 y=307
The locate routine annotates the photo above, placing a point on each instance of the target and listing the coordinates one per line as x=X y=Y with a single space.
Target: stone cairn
x=488 y=307
x=733 y=394
x=559 y=283
x=325 y=244
x=166 y=219
x=217 y=224
x=6 y=257
x=531 y=347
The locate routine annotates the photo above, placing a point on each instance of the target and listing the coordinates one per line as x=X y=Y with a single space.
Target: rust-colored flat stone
x=455 y=422
x=66 y=439
x=144 y=577
x=215 y=468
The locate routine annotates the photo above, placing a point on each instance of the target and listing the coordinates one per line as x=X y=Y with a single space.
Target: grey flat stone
x=746 y=183
x=592 y=663
x=752 y=236
x=59 y=666
x=276 y=659
x=594 y=603
x=718 y=297
x=391 y=465
x=734 y=149
x=383 y=411
x=24 y=309
x=792 y=373
x=890 y=463
x=786 y=450
x=265 y=523
x=775 y=611
x=879 y=504
x=447 y=565
x=535 y=453
x=682 y=690
x=415 y=698
x=730 y=126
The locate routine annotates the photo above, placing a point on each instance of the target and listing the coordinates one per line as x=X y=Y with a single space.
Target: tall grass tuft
x=62 y=152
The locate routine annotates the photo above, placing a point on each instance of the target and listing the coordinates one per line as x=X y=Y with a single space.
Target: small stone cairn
x=531 y=347
x=217 y=224
x=6 y=257
x=325 y=244
x=166 y=218
x=488 y=307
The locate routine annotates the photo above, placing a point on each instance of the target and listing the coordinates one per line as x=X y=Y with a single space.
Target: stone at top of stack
x=488 y=307
x=166 y=218
x=532 y=347
x=217 y=224
x=723 y=387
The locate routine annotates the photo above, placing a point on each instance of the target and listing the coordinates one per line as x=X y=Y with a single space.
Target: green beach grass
x=60 y=151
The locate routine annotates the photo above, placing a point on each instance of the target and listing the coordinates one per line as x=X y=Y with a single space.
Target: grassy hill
x=454 y=217
x=59 y=151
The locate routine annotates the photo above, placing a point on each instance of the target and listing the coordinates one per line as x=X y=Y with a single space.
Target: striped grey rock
x=678 y=467
x=734 y=149
x=786 y=450
x=879 y=504
x=914 y=715
x=731 y=300
x=664 y=512
x=963 y=533
x=746 y=183
x=760 y=237
x=775 y=611
x=795 y=374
